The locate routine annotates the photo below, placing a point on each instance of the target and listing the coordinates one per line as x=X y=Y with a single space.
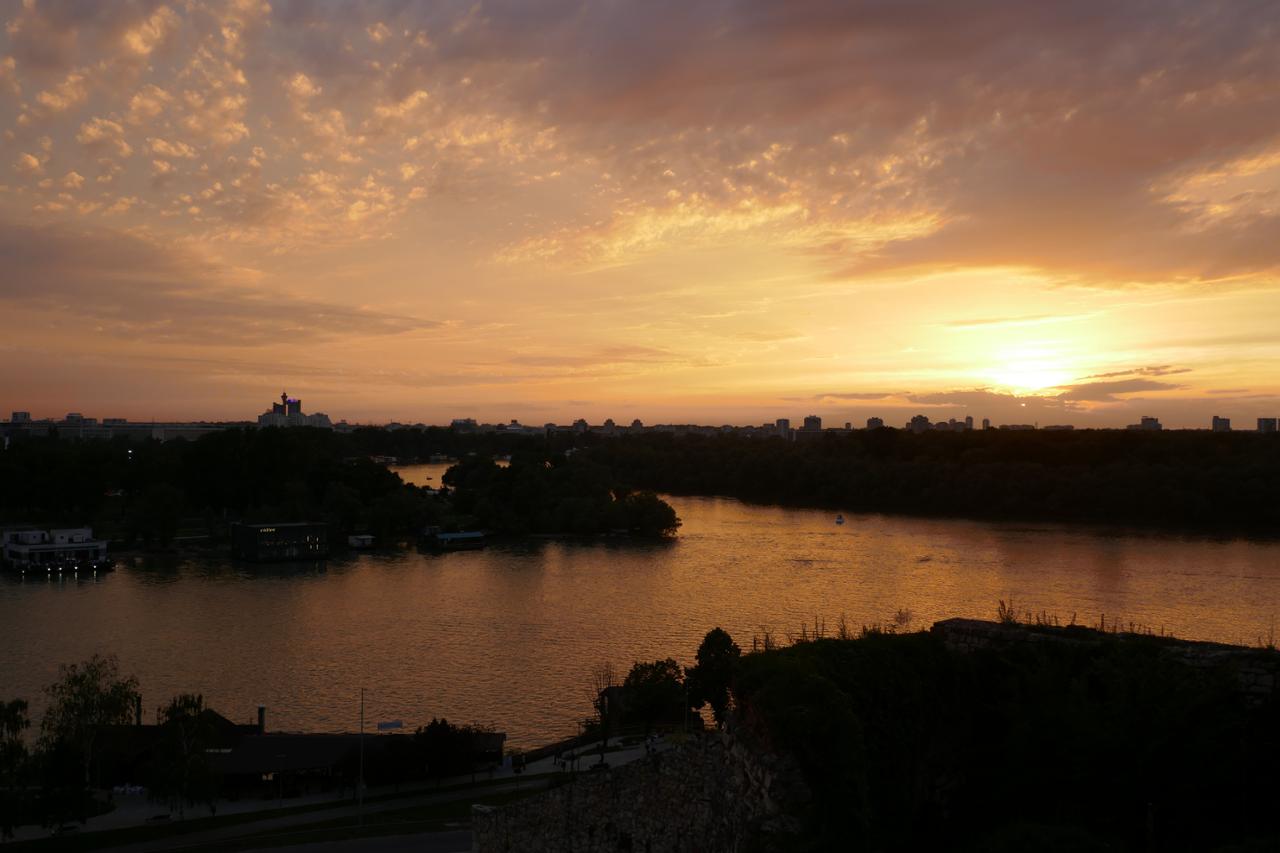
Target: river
x=509 y=636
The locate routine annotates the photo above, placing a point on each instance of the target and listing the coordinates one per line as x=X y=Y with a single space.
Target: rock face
x=712 y=794
x=1257 y=671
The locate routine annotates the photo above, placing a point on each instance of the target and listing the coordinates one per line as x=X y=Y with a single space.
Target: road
x=289 y=823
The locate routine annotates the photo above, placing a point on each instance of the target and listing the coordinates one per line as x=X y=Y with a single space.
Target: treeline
x=148 y=491
x=554 y=494
x=1166 y=479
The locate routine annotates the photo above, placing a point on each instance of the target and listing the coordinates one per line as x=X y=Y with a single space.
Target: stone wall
x=712 y=794
x=1256 y=670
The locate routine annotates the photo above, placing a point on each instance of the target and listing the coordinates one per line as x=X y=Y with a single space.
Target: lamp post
x=360 y=780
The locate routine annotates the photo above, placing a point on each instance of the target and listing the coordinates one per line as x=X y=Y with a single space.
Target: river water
x=510 y=635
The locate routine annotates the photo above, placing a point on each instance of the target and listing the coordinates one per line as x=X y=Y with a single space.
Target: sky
x=717 y=212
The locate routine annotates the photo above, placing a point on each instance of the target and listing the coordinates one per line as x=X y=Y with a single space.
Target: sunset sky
x=726 y=211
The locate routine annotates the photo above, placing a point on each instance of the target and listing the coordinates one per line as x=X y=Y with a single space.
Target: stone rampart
x=710 y=795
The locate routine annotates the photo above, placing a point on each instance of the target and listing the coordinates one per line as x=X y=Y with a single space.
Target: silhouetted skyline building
x=288 y=413
x=1220 y=424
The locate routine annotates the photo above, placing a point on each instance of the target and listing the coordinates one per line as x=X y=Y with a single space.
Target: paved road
x=452 y=841
x=198 y=840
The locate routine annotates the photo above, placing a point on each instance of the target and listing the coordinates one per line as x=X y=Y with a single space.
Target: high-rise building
x=20 y=418
x=968 y=421
x=288 y=413
x=1221 y=424
x=812 y=423
x=919 y=423
x=986 y=423
x=783 y=428
x=875 y=423
x=1267 y=424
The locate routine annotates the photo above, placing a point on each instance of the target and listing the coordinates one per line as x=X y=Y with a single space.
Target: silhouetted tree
x=711 y=678
x=655 y=691
x=445 y=749
x=180 y=771
x=13 y=764
x=85 y=698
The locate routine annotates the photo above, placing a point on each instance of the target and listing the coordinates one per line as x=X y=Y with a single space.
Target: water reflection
x=509 y=635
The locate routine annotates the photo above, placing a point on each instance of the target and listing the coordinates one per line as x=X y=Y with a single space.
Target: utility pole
x=360 y=781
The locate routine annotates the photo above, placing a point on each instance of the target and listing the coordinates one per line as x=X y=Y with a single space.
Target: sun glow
x=1029 y=371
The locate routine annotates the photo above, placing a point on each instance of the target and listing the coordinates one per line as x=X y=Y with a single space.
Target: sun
x=1030 y=371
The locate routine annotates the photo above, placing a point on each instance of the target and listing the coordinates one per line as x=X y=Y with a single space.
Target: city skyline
x=1062 y=214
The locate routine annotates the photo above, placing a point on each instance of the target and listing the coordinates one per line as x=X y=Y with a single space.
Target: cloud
x=1150 y=370
x=71 y=92
x=130 y=287
x=100 y=132
x=854 y=396
x=147 y=104
x=1105 y=392
x=29 y=163
x=9 y=78
x=163 y=148
x=1020 y=320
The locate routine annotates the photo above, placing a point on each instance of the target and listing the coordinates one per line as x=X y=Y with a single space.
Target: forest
x=151 y=492
x=1178 y=479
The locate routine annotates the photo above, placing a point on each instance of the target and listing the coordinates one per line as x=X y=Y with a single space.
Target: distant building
x=636 y=426
x=265 y=543
x=464 y=425
x=919 y=424
x=1221 y=424
x=580 y=426
x=1018 y=427
x=968 y=422
x=812 y=423
x=288 y=413
x=1267 y=424
x=1059 y=428
x=783 y=426
x=875 y=423
x=1148 y=424
x=26 y=549
x=986 y=423
x=20 y=418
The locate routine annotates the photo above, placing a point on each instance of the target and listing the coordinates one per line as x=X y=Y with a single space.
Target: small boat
x=839 y=518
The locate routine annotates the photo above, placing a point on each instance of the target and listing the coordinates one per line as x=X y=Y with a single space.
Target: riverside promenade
x=325 y=822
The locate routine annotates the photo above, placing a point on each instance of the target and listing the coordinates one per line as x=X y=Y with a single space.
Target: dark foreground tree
x=446 y=749
x=13 y=763
x=85 y=698
x=655 y=692
x=711 y=677
x=180 y=772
